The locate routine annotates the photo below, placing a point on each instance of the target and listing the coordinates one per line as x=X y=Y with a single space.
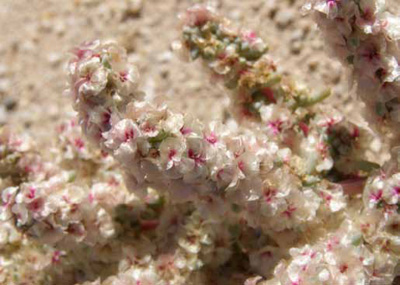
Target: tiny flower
x=171 y=150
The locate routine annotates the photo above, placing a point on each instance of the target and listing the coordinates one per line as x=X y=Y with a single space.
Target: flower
x=171 y=151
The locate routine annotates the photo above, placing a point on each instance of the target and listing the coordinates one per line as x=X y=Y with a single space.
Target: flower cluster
x=341 y=258
x=117 y=229
x=42 y=201
x=381 y=215
x=229 y=173
x=366 y=37
x=134 y=193
x=284 y=110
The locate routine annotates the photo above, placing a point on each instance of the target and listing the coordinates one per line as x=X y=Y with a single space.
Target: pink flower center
x=185 y=130
x=172 y=153
x=356 y=132
x=276 y=126
x=343 y=268
x=212 y=138
x=123 y=76
x=147 y=128
x=241 y=166
x=197 y=157
x=56 y=257
x=79 y=143
x=250 y=36
x=106 y=118
x=269 y=195
x=36 y=205
x=129 y=134
x=91 y=197
x=375 y=197
x=368 y=15
x=31 y=194
x=289 y=211
x=331 y=3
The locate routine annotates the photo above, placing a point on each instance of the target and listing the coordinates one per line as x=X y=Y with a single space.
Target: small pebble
x=235 y=15
x=297 y=35
x=165 y=57
x=54 y=58
x=134 y=8
x=284 y=18
x=5 y=85
x=296 y=47
x=28 y=46
x=3 y=70
x=59 y=28
x=313 y=65
x=10 y=103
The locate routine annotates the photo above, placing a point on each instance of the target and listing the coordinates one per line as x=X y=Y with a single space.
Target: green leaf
x=307 y=101
x=366 y=166
x=357 y=240
x=71 y=176
x=105 y=62
x=159 y=138
x=272 y=80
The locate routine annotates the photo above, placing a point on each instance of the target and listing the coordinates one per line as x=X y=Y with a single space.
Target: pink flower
x=250 y=36
x=211 y=138
x=275 y=126
x=197 y=157
x=289 y=211
x=375 y=197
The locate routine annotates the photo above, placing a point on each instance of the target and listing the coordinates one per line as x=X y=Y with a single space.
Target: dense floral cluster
x=80 y=233
x=230 y=174
x=133 y=193
x=265 y=100
x=366 y=37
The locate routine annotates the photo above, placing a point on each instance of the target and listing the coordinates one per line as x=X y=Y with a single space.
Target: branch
x=226 y=172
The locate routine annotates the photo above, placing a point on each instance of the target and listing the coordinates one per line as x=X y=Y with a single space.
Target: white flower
x=173 y=124
x=328 y=7
x=125 y=131
x=276 y=118
x=93 y=76
x=171 y=150
x=391 y=25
